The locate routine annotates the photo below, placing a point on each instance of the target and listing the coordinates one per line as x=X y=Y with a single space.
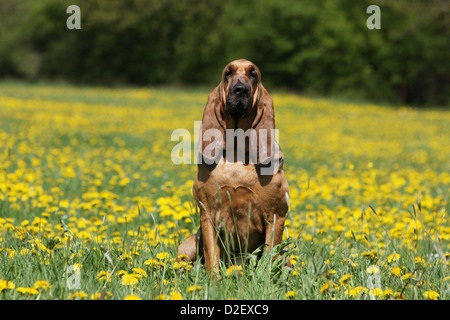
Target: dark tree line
x=314 y=47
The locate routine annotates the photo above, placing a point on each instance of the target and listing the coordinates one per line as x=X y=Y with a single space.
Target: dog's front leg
x=211 y=249
x=274 y=231
x=274 y=234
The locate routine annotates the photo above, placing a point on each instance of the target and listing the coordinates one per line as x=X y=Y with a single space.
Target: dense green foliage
x=314 y=47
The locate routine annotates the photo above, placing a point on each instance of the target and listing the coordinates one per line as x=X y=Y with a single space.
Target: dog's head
x=240 y=88
x=240 y=101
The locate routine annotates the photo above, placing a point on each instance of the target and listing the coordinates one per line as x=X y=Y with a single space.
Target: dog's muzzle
x=239 y=101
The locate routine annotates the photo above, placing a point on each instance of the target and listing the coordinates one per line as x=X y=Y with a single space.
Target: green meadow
x=92 y=207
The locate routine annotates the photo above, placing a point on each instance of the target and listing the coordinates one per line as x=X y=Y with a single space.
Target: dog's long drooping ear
x=211 y=139
x=264 y=144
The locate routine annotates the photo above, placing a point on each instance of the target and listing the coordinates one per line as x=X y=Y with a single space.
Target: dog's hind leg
x=192 y=247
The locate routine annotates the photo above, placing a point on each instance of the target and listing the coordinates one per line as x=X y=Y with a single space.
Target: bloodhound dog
x=240 y=187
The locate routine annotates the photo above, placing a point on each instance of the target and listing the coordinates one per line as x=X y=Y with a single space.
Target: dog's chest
x=234 y=175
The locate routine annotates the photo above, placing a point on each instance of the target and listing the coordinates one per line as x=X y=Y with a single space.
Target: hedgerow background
x=316 y=47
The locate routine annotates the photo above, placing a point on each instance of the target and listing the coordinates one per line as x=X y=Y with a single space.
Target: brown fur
x=240 y=209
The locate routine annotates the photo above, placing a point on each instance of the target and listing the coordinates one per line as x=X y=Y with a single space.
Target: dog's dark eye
x=252 y=73
x=229 y=71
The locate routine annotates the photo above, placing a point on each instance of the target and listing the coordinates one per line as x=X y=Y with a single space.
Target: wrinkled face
x=240 y=80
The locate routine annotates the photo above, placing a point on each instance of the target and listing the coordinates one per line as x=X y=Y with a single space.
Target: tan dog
x=240 y=187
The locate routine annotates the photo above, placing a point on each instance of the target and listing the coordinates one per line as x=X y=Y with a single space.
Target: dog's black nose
x=240 y=89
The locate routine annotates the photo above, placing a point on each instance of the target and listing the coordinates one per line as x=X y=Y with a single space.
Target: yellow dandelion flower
x=12 y=254
x=431 y=295
x=64 y=203
x=290 y=294
x=325 y=287
x=28 y=290
x=25 y=252
x=393 y=257
x=77 y=295
x=6 y=284
x=121 y=273
x=174 y=295
x=162 y=256
x=406 y=276
x=344 y=279
x=234 y=269
x=96 y=296
x=140 y=272
x=398 y=296
x=194 y=288
x=331 y=271
x=42 y=284
x=354 y=292
x=123 y=182
x=125 y=256
x=388 y=292
x=104 y=275
x=101 y=295
x=370 y=254
x=183 y=256
x=376 y=292
x=132 y=297
x=372 y=270
x=419 y=260
x=77 y=267
x=161 y=297
x=396 y=271
x=130 y=279
x=154 y=263
x=293 y=259
x=182 y=265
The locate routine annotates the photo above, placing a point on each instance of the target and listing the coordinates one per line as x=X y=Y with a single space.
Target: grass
x=91 y=206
